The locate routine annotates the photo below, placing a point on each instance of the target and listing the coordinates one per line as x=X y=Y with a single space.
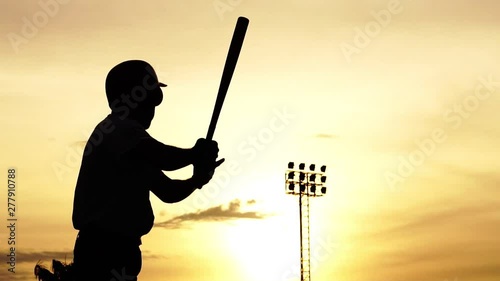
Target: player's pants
x=105 y=257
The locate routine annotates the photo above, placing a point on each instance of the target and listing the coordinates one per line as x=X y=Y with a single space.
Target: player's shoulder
x=116 y=124
x=117 y=135
x=122 y=129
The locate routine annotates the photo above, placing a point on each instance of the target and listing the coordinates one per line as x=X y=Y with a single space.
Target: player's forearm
x=173 y=158
x=176 y=190
x=164 y=157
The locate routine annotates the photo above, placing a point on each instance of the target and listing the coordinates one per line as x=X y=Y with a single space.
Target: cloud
x=458 y=235
x=435 y=255
x=19 y=275
x=46 y=257
x=467 y=261
x=27 y=260
x=484 y=179
x=147 y=255
x=435 y=219
x=218 y=213
x=35 y=256
x=326 y=136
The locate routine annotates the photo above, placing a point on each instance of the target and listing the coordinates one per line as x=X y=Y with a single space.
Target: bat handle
x=210 y=134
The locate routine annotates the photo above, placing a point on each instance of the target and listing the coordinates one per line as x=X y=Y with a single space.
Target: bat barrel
x=227 y=74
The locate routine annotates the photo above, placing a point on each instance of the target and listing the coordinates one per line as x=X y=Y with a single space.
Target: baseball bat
x=231 y=60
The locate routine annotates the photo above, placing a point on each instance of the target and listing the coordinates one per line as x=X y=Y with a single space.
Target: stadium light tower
x=305 y=184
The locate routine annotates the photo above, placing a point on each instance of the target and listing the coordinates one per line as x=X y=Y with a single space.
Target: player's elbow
x=166 y=196
x=170 y=200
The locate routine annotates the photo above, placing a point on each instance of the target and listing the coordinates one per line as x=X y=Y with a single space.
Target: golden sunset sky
x=399 y=99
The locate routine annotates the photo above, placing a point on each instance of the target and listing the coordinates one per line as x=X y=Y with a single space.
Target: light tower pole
x=305 y=185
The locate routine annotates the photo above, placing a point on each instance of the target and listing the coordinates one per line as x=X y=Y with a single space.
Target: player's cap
x=137 y=80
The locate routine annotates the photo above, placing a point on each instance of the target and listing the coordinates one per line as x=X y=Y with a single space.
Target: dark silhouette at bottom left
x=61 y=271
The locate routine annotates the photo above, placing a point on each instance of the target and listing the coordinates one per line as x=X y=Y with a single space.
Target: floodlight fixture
x=323 y=168
x=291 y=186
x=302 y=166
x=302 y=176
x=290 y=165
x=311 y=167
x=323 y=179
x=323 y=190
x=312 y=177
x=313 y=188
x=302 y=187
x=291 y=175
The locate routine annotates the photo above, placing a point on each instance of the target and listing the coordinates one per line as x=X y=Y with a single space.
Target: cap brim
x=161 y=84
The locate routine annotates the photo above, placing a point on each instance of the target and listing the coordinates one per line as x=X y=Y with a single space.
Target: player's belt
x=106 y=236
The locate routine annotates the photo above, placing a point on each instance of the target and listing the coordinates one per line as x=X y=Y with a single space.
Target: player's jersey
x=111 y=191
